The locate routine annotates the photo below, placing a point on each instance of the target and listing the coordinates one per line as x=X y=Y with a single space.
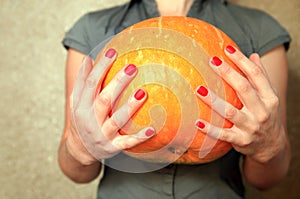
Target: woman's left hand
x=258 y=130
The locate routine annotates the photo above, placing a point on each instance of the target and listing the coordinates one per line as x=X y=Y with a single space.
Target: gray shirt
x=252 y=30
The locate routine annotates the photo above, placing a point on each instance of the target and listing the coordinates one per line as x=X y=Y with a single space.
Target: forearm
x=74 y=169
x=266 y=175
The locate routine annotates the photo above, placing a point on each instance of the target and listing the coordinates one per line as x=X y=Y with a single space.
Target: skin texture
x=178 y=8
x=261 y=137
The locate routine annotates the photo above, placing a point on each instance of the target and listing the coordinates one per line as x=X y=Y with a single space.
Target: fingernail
x=140 y=94
x=202 y=91
x=200 y=124
x=216 y=61
x=230 y=49
x=110 y=53
x=149 y=132
x=130 y=69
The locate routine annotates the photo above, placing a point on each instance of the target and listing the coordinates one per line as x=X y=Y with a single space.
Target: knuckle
x=244 y=87
x=264 y=117
x=121 y=144
x=114 y=122
x=100 y=142
x=246 y=141
x=76 y=113
x=239 y=57
x=119 y=78
x=108 y=149
x=273 y=102
x=230 y=112
x=256 y=70
x=105 y=149
x=224 y=136
x=80 y=114
x=132 y=106
x=254 y=128
x=225 y=70
x=116 y=143
x=103 y=100
x=213 y=98
x=92 y=81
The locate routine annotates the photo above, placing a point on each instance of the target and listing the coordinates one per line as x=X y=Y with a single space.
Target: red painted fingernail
x=140 y=94
x=216 y=61
x=200 y=125
x=230 y=49
x=110 y=53
x=202 y=91
x=130 y=69
x=149 y=132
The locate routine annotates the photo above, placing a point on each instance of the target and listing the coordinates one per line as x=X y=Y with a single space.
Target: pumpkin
x=172 y=55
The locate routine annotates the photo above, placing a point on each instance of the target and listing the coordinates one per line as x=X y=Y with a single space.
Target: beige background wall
x=32 y=95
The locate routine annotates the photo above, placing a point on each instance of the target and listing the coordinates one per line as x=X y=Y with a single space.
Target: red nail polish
x=140 y=94
x=230 y=49
x=200 y=125
x=130 y=69
x=110 y=53
x=149 y=132
x=216 y=61
x=202 y=91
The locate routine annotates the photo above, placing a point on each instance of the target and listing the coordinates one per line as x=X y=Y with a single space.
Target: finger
x=223 y=108
x=255 y=58
x=119 y=118
x=85 y=69
x=108 y=96
x=253 y=69
x=96 y=77
x=247 y=94
x=129 y=141
x=224 y=134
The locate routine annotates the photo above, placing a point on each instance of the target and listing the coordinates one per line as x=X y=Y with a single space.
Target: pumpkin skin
x=172 y=55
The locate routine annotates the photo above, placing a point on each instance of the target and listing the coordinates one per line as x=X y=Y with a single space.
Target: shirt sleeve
x=270 y=34
x=77 y=36
x=95 y=27
x=263 y=31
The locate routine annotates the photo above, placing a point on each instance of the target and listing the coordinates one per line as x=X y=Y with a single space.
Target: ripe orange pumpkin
x=172 y=54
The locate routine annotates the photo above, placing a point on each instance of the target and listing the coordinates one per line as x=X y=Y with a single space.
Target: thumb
x=129 y=141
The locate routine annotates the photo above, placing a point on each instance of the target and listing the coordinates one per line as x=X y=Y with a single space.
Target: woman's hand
x=93 y=133
x=258 y=130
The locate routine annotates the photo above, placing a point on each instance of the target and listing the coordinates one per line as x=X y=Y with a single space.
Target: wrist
x=77 y=151
x=74 y=168
x=264 y=175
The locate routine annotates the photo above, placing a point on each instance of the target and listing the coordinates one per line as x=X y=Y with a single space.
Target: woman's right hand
x=94 y=134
